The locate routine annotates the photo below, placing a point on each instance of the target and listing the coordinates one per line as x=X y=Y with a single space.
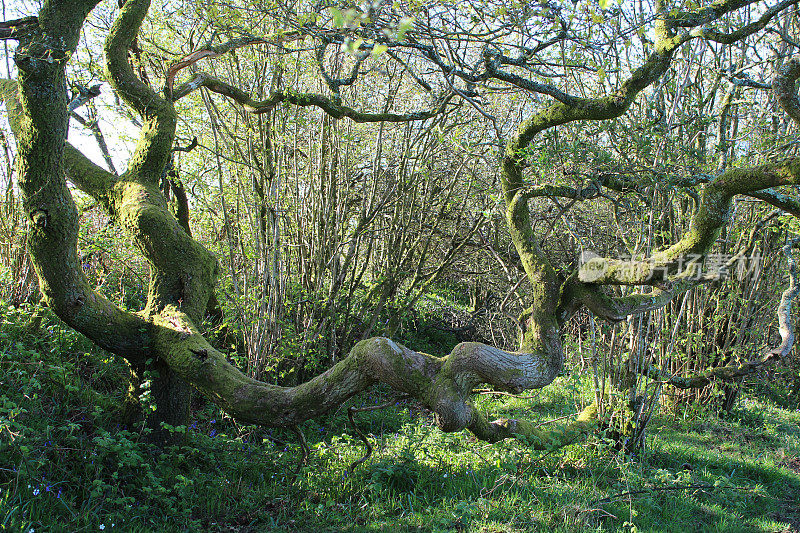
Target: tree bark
x=164 y=336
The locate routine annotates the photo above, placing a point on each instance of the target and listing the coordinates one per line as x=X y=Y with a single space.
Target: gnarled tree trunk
x=164 y=336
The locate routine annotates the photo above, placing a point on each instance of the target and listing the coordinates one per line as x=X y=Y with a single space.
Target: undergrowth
x=66 y=463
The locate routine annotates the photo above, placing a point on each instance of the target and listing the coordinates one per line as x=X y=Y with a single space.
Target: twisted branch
x=328 y=105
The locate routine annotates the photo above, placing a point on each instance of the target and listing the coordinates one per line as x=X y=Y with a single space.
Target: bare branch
x=739 y=370
x=691 y=19
x=493 y=60
x=220 y=49
x=84 y=94
x=744 y=31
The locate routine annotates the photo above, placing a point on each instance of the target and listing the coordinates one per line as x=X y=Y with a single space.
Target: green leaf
x=338 y=18
x=378 y=49
x=405 y=24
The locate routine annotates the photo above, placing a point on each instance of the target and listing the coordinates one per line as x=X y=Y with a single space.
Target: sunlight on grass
x=67 y=465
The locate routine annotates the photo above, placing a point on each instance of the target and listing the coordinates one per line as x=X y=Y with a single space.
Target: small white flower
x=102 y=526
x=35 y=492
x=444 y=475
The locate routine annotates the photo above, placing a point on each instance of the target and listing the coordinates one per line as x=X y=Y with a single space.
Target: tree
x=165 y=335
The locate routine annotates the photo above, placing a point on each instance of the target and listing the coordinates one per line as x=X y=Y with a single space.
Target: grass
x=66 y=465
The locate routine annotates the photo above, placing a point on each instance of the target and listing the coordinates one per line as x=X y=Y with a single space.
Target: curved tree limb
x=745 y=31
x=211 y=51
x=712 y=213
x=710 y=13
x=616 y=308
x=180 y=288
x=328 y=105
x=444 y=384
x=778 y=199
x=38 y=102
x=158 y=114
x=83 y=173
x=568 y=109
x=541 y=320
x=166 y=329
x=740 y=370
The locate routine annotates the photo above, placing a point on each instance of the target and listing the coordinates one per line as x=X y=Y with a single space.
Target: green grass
x=65 y=464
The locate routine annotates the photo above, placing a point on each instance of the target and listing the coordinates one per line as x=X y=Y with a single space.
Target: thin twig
x=609 y=499
x=304 y=450
x=351 y=411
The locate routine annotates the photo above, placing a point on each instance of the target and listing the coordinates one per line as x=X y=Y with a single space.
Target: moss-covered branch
x=712 y=214
x=576 y=293
x=330 y=107
x=778 y=199
x=785 y=89
x=158 y=114
x=183 y=271
x=85 y=175
x=37 y=105
x=541 y=320
x=739 y=370
x=548 y=293
x=444 y=384
x=746 y=30
x=710 y=13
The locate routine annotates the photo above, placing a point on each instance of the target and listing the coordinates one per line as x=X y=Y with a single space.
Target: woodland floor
x=66 y=466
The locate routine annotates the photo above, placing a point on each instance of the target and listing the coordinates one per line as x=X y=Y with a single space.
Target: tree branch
x=39 y=101
x=80 y=170
x=711 y=216
x=740 y=370
x=444 y=385
x=593 y=296
x=493 y=59
x=211 y=51
x=17 y=28
x=691 y=19
x=745 y=31
x=785 y=90
x=300 y=99
x=159 y=117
